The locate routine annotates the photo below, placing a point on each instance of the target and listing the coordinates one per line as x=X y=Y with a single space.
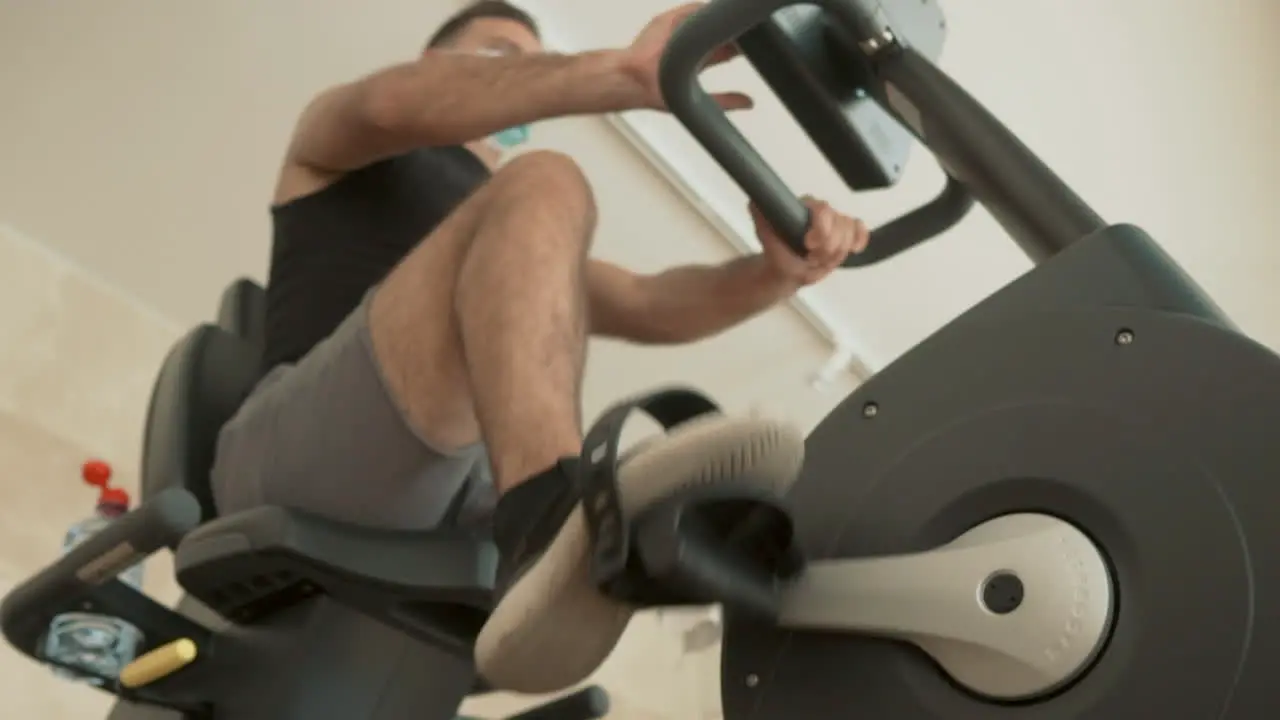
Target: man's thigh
x=416 y=341
x=327 y=436
x=414 y=323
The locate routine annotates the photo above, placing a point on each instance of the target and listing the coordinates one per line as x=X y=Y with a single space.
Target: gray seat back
x=242 y=311
x=202 y=382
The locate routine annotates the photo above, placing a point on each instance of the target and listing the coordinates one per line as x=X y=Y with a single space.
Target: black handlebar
x=722 y=23
x=983 y=160
x=714 y=26
x=719 y=24
x=925 y=222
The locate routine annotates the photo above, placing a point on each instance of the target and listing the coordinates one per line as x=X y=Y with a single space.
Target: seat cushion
x=202 y=382
x=435 y=585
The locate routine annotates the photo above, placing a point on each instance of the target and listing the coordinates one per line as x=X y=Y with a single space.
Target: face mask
x=513 y=136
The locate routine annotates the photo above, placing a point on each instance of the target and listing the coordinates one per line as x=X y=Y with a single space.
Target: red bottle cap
x=96 y=473
x=115 y=497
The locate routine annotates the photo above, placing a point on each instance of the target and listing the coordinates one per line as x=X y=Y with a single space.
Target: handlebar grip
x=907 y=231
x=161 y=522
x=714 y=26
x=720 y=23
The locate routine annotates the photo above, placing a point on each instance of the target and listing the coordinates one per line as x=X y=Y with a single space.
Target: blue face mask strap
x=512 y=136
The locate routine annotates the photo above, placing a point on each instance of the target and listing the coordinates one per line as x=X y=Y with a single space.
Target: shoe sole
x=553 y=629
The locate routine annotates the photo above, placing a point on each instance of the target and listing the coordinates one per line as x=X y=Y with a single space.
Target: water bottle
x=100 y=645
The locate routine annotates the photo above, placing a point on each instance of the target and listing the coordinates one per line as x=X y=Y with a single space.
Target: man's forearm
x=450 y=98
x=694 y=302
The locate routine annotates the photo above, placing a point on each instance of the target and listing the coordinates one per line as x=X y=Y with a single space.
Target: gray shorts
x=325 y=435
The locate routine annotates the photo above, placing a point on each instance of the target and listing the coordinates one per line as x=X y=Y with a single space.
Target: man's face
x=497 y=35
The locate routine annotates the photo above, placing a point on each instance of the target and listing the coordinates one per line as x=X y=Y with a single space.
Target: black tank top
x=331 y=247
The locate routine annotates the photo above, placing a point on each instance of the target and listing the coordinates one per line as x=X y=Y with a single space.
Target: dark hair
x=477 y=10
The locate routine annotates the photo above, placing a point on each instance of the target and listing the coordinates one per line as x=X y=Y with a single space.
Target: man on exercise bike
x=429 y=305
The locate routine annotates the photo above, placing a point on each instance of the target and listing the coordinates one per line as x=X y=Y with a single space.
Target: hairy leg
x=481 y=331
x=521 y=307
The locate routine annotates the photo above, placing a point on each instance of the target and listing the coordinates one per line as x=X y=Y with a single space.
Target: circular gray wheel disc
x=1162 y=450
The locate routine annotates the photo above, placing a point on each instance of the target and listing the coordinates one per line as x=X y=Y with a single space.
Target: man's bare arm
x=682 y=304
x=447 y=98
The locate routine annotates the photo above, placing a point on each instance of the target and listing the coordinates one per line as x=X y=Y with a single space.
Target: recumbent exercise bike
x=1031 y=514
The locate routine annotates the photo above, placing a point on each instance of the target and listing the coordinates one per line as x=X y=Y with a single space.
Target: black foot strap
x=612 y=567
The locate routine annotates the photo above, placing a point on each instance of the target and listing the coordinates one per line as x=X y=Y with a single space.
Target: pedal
x=717 y=545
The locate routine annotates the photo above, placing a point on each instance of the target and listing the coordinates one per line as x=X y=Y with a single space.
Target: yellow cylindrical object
x=161 y=662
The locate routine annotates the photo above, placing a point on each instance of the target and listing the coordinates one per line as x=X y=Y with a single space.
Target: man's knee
x=553 y=182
